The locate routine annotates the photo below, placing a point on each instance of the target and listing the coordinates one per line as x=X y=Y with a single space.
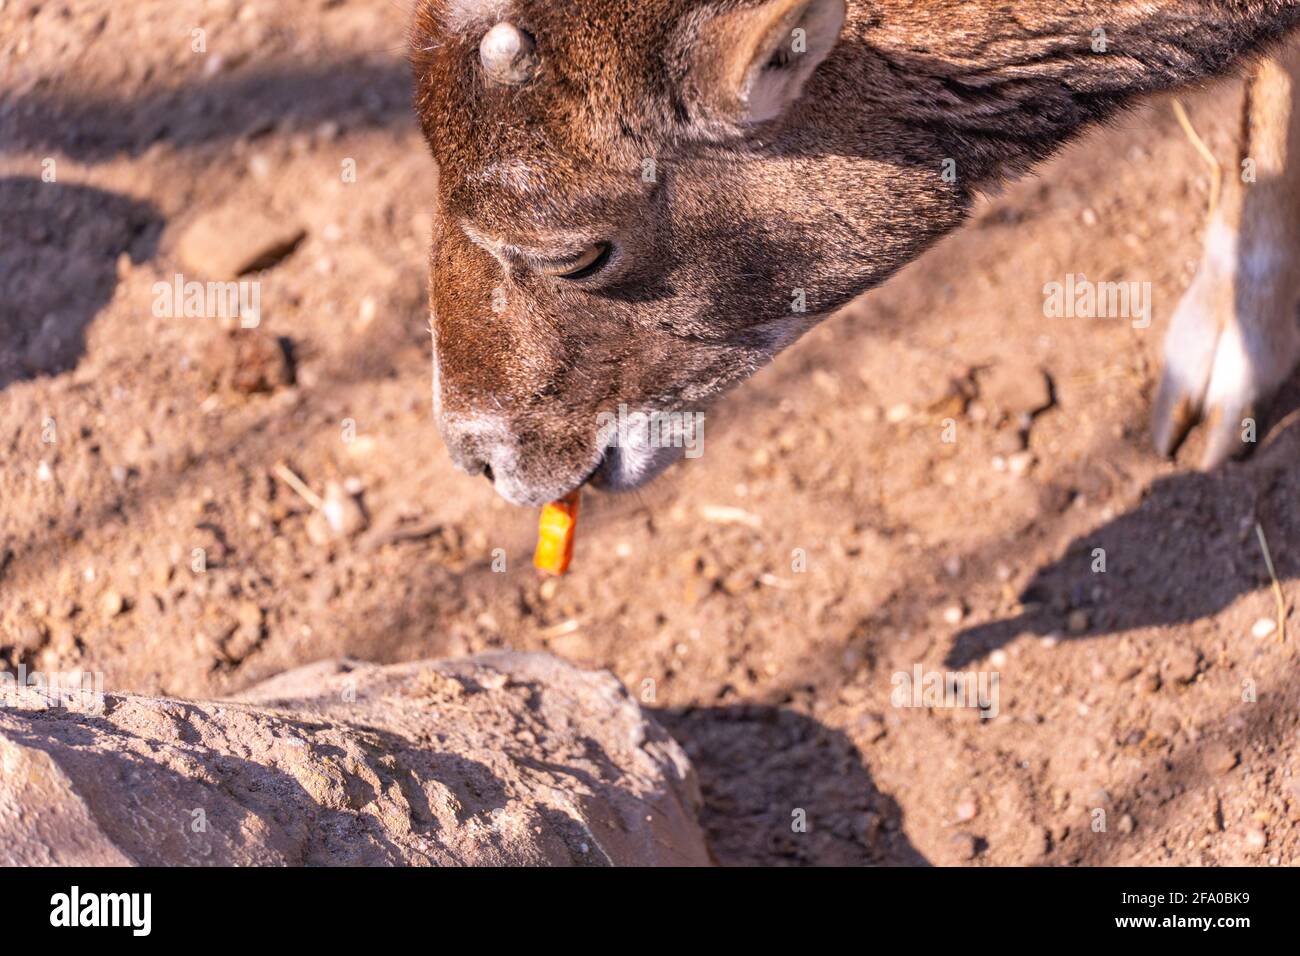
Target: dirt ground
x=137 y=448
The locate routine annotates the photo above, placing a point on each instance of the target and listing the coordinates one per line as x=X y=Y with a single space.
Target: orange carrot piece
x=555 y=533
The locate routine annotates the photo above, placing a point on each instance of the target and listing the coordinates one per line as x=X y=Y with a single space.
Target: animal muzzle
x=526 y=466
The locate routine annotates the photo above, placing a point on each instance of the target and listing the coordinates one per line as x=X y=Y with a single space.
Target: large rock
x=495 y=759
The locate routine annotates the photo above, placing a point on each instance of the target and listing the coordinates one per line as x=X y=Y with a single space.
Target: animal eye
x=590 y=261
x=780 y=59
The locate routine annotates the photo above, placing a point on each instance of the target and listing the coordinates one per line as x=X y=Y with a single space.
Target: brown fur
x=830 y=198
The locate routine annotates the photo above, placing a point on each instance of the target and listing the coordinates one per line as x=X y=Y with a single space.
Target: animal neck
x=1006 y=83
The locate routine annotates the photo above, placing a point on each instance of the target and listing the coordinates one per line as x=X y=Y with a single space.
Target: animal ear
x=748 y=64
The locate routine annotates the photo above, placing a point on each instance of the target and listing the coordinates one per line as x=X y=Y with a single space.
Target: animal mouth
x=605 y=470
x=621 y=469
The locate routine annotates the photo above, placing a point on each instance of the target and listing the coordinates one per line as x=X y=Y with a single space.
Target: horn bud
x=508 y=54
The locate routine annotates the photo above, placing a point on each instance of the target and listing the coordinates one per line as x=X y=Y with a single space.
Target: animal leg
x=1234 y=336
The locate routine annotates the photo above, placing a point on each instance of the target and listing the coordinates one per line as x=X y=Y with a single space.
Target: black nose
x=487 y=473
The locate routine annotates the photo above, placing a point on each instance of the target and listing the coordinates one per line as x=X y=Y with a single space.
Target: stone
x=1016 y=388
x=1182 y=664
x=1021 y=462
x=494 y=760
x=1264 y=627
x=242 y=641
x=113 y=603
x=965 y=846
x=342 y=512
x=967 y=807
x=28 y=637
x=234 y=240
x=248 y=361
x=1218 y=758
x=872 y=728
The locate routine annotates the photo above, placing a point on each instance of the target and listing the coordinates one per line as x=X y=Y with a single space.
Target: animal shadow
x=1187 y=551
x=781 y=788
x=58 y=267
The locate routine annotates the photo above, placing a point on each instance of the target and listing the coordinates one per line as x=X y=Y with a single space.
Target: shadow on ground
x=1185 y=553
x=765 y=769
x=58 y=267
x=351 y=92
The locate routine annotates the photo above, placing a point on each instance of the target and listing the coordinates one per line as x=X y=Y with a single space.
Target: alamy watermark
x=77 y=691
x=634 y=430
x=240 y=300
x=977 y=690
x=74 y=908
x=1078 y=297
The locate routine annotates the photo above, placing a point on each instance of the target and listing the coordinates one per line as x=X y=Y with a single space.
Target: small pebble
x=965 y=846
x=967 y=810
x=1218 y=757
x=29 y=638
x=113 y=604
x=342 y=512
x=898 y=414
x=1020 y=463
x=1182 y=664
x=367 y=311
x=872 y=727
